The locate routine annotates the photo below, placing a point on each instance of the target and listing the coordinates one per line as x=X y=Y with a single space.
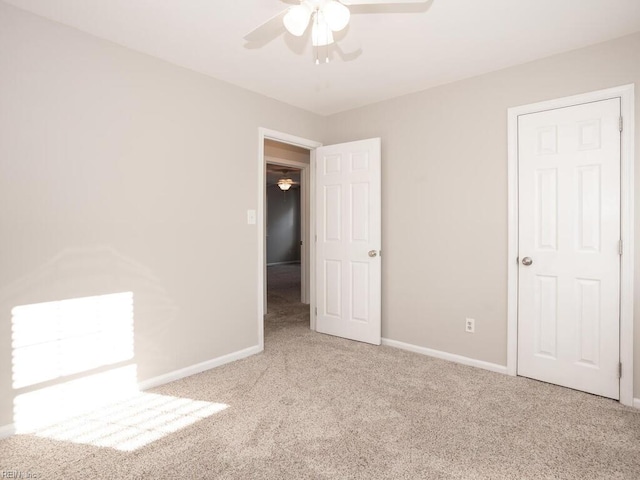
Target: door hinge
x=619 y=247
x=620 y=124
x=300 y=242
x=316 y=238
x=316 y=311
x=620 y=370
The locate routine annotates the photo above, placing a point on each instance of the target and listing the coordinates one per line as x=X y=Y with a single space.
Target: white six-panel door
x=569 y=232
x=348 y=230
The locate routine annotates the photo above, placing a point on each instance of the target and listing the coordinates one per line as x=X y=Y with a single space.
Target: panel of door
x=348 y=229
x=569 y=233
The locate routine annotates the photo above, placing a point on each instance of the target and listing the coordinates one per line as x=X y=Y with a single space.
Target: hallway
x=283 y=298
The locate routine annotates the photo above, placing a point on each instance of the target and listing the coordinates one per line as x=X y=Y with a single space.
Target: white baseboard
x=7 y=431
x=198 y=368
x=472 y=362
x=636 y=402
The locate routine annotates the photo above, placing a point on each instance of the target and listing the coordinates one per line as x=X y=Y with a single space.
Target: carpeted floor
x=318 y=407
x=283 y=283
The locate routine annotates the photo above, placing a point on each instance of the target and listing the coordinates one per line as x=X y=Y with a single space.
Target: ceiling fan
x=282 y=178
x=286 y=183
x=324 y=16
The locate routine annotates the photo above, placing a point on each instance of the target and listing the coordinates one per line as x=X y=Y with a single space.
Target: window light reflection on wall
x=56 y=339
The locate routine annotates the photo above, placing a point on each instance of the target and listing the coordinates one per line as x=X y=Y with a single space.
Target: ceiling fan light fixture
x=336 y=15
x=297 y=18
x=321 y=34
x=285 y=184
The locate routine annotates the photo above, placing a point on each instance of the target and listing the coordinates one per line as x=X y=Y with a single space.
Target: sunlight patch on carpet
x=133 y=423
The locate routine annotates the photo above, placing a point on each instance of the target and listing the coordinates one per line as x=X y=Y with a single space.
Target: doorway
x=344 y=215
x=281 y=263
x=284 y=238
x=570 y=269
x=284 y=225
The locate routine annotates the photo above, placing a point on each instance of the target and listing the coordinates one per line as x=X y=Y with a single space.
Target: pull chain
x=317 y=23
x=326 y=40
x=326 y=47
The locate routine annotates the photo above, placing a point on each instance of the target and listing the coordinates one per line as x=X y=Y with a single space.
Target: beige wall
x=445 y=194
x=113 y=177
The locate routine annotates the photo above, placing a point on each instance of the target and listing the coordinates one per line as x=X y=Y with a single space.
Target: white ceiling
x=400 y=52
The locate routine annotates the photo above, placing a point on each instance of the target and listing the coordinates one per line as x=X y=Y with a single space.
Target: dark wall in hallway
x=283 y=225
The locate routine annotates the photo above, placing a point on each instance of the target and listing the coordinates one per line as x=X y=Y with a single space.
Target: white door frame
x=626 y=95
x=311 y=145
x=304 y=221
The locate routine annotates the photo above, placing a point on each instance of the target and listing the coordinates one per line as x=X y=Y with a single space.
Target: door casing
x=626 y=95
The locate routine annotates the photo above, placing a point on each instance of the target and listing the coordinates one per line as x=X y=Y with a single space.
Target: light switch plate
x=251 y=217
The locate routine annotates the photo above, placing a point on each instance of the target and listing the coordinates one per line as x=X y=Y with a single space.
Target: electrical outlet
x=470 y=325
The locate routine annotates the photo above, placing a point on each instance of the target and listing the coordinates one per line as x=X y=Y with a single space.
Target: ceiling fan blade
x=269 y=30
x=403 y=6
x=379 y=2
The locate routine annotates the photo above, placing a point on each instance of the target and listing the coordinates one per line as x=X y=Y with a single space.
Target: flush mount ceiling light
x=325 y=16
x=285 y=184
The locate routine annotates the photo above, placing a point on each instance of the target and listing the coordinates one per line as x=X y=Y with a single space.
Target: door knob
x=527 y=261
x=373 y=253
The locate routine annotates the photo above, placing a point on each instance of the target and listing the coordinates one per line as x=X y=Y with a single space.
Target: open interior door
x=348 y=229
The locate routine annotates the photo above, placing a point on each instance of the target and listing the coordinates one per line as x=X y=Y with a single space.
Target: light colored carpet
x=283 y=284
x=318 y=407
